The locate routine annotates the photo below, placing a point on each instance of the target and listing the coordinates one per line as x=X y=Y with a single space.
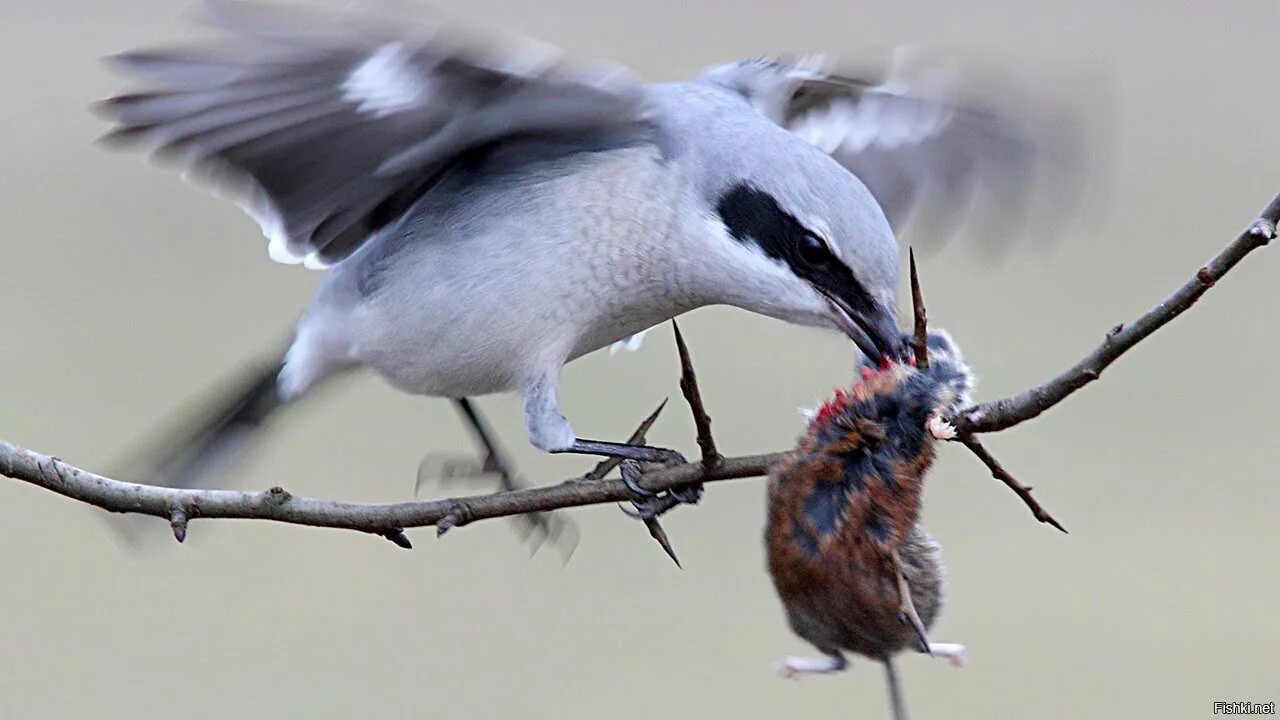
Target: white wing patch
x=881 y=118
x=385 y=83
x=249 y=198
x=630 y=344
x=910 y=106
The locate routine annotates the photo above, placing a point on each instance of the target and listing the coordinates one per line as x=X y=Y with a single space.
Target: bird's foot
x=638 y=454
x=648 y=507
x=953 y=652
x=941 y=428
x=793 y=668
x=441 y=468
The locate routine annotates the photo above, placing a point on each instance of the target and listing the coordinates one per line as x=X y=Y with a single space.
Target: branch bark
x=278 y=504
x=389 y=520
x=1005 y=413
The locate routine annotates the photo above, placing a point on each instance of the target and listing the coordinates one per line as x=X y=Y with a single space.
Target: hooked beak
x=876 y=336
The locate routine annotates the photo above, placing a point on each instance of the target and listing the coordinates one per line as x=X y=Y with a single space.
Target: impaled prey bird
x=484 y=217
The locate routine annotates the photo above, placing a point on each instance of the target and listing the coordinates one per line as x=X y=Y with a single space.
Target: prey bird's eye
x=813 y=250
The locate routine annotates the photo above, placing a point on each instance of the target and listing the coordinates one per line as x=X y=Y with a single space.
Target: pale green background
x=125 y=292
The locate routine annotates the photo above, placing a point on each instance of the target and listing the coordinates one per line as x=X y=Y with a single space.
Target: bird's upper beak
x=875 y=333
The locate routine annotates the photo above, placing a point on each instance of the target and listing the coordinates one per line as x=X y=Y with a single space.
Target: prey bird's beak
x=877 y=336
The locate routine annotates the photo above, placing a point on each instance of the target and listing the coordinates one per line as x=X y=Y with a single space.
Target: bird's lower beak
x=876 y=337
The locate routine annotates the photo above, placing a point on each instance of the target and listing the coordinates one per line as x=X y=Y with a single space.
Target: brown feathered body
x=847 y=500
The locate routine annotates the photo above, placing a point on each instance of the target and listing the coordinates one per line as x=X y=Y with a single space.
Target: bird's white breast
x=520 y=274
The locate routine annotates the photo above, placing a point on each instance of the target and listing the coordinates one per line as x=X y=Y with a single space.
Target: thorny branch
x=920 y=343
x=179 y=506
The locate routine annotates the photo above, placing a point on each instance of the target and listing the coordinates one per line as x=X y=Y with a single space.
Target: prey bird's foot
x=953 y=652
x=941 y=428
x=793 y=668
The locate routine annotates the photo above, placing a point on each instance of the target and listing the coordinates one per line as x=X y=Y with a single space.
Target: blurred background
x=128 y=294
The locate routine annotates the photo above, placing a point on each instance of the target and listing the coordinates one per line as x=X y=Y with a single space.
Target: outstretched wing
x=326 y=128
x=926 y=154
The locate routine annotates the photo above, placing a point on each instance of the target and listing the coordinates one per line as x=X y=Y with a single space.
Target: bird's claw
x=648 y=507
x=650 y=504
x=793 y=668
x=953 y=652
x=941 y=428
x=687 y=496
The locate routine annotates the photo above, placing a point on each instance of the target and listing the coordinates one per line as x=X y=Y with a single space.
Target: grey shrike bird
x=483 y=218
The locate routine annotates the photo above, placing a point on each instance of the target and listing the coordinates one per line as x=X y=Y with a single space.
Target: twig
x=1005 y=413
x=278 y=505
x=998 y=472
x=921 y=343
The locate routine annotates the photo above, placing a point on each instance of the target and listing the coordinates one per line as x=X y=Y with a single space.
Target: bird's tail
x=211 y=439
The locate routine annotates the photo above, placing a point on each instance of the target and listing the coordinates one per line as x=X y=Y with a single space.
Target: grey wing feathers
x=325 y=128
x=925 y=155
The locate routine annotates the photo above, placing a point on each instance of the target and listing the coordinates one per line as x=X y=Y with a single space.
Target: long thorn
x=921 y=342
x=631 y=473
x=604 y=467
x=397 y=536
x=693 y=395
x=998 y=472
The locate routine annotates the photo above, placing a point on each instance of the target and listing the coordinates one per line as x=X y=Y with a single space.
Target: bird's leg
x=536 y=524
x=906 y=608
x=493 y=460
x=793 y=667
x=549 y=431
x=953 y=652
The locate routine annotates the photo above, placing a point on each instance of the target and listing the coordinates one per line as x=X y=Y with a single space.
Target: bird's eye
x=813 y=251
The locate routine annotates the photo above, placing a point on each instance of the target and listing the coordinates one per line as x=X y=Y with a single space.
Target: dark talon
x=687 y=496
x=629 y=478
x=648 y=504
x=648 y=509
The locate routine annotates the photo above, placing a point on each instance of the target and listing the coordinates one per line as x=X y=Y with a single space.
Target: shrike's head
x=810 y=245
